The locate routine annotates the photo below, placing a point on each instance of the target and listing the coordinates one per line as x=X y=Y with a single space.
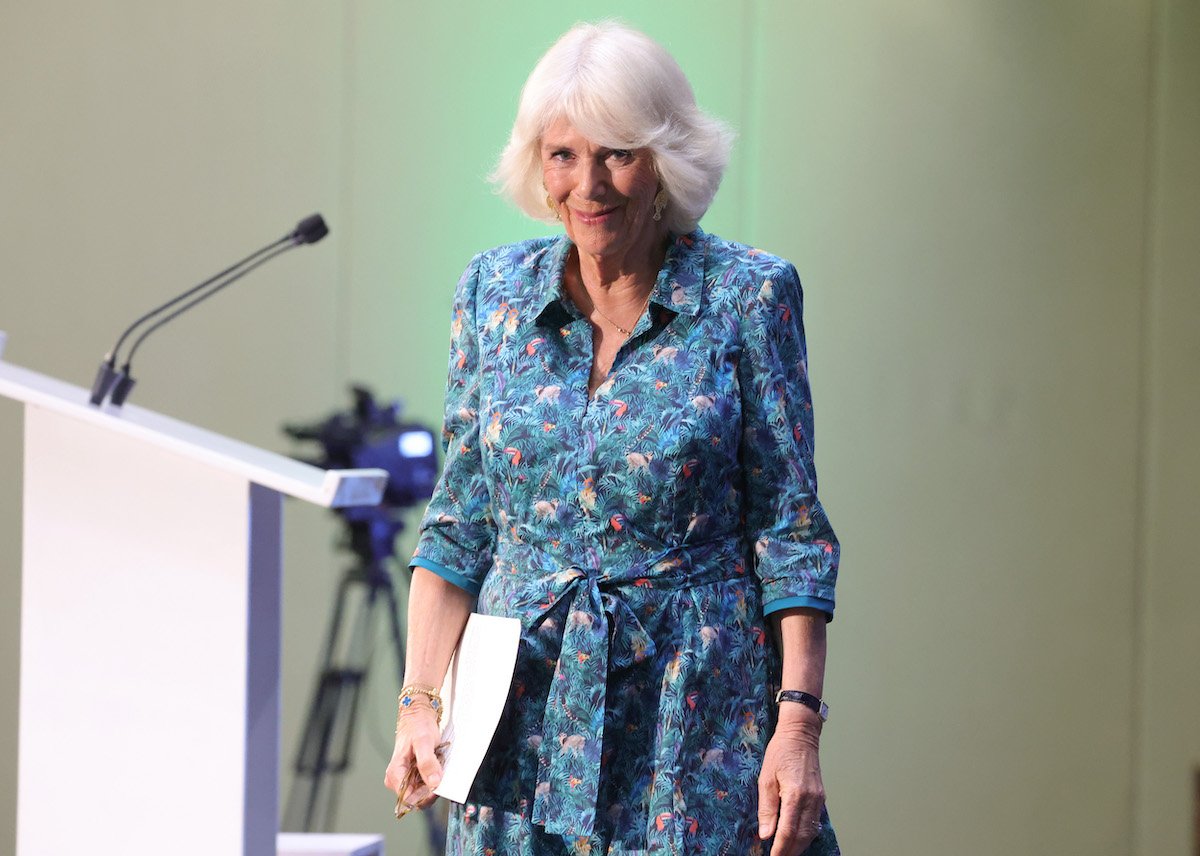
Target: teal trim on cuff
x=821 y=603
x=445 y=573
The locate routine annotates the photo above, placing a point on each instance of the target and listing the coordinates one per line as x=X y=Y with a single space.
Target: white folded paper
x=474 y=693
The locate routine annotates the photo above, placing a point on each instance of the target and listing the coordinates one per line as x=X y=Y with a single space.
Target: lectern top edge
x=327 y=488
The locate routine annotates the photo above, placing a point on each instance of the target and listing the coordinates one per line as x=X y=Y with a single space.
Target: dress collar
x=678 y=286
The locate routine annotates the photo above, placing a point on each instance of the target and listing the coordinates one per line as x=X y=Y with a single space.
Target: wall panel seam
x=1151 y=179
x=345 y=196
x=749 y=119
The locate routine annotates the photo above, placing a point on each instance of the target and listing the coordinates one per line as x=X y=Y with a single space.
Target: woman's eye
x=621 y=154
x=561 y=154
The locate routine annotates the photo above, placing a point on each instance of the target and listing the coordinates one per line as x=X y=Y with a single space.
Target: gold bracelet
x=411 y=691
x=419 y=688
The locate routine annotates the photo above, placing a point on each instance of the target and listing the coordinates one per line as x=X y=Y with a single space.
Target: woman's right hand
x=415 y=770
x=437 y=613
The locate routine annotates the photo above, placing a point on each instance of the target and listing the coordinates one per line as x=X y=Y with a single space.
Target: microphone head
x=310 y=230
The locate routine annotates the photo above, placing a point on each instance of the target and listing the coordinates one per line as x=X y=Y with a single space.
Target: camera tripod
x=324 y=753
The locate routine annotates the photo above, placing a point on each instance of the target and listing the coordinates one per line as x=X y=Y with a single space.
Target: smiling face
x=604 y=196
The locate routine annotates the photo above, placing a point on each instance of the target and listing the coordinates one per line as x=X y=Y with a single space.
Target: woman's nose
x=593 y=181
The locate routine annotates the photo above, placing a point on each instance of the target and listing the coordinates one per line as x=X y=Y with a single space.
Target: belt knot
x=601 y=635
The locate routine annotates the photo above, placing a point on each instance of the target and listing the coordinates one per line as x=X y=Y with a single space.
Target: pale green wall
x=992 y=207
x=964 y=185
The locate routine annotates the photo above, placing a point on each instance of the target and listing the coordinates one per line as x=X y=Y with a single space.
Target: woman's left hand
x=790 y=792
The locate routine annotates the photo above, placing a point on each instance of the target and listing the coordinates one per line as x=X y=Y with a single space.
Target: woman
x=629 y=472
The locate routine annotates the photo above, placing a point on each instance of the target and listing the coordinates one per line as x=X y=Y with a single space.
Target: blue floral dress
x=640 y=534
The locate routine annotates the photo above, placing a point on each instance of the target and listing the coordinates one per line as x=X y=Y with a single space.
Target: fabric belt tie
x=601 y=635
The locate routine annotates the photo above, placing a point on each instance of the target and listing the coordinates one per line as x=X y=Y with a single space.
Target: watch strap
x=807 y=699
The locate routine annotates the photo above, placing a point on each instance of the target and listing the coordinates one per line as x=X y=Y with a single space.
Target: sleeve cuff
x=454 y=577
x=821 y=603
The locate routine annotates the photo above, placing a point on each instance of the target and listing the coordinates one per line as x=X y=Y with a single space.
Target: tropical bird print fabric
x=639 y=534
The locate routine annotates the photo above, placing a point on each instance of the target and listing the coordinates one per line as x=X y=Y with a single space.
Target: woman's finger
x=768 y=803
x=799 y=825
x=394 y=777
x=789 y=839
x=796 y=831
x=428 y=765
x=422 y=797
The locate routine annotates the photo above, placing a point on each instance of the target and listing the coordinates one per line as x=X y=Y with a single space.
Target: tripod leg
x=312 y=763
x=359 y=653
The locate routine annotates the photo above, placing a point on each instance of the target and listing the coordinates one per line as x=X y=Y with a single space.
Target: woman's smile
x=597 y=218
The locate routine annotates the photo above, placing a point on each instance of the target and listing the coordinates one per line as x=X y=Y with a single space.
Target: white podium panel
x=149 y=674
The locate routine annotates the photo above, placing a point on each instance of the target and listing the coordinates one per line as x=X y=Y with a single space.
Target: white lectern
x=149 y=709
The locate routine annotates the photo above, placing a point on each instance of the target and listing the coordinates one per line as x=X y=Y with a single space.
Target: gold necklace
x=604 y=315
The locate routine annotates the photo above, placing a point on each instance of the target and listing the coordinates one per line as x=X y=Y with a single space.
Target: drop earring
x=660 y=202
x=553 y=208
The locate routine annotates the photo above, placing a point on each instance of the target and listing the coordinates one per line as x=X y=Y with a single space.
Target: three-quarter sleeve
x=457 y=535
x=795 y=548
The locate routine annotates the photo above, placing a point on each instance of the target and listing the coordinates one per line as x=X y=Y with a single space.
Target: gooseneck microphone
x=116 y=384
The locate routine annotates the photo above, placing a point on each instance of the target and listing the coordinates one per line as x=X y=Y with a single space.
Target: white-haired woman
x=629 y=472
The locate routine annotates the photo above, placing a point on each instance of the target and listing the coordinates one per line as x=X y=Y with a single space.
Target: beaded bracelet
x=408 y=696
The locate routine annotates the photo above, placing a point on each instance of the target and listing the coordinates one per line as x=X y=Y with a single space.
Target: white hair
x=621 y=90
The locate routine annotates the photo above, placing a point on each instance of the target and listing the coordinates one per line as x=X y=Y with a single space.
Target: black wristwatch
x=807 y=699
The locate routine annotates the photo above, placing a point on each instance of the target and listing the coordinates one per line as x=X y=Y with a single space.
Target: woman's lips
x=592 y=219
